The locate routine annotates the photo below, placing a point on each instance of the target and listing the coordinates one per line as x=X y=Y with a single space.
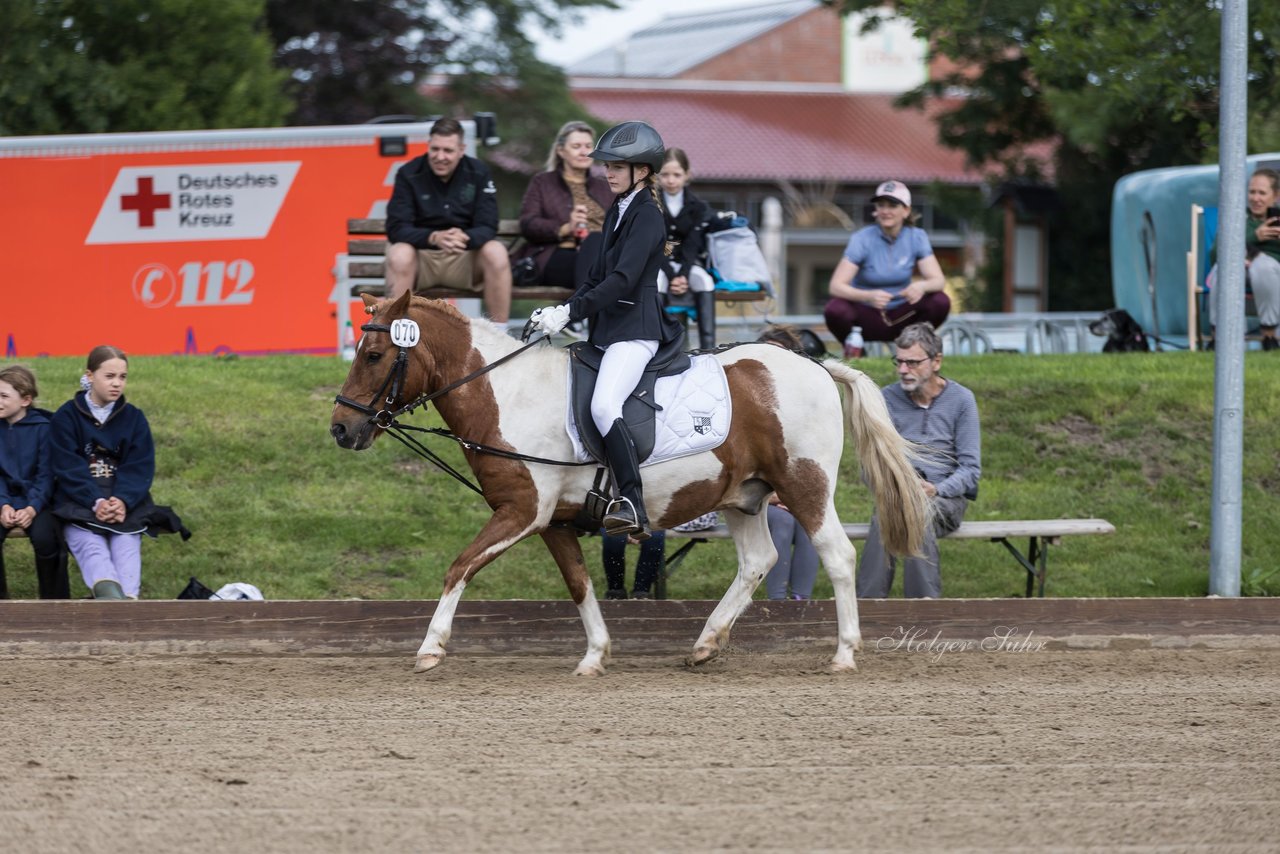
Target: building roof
x=796 y=135
x=679 y=42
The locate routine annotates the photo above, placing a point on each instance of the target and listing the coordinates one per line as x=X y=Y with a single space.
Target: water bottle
x=853 y=344
x=579 y=232
x=348 y=343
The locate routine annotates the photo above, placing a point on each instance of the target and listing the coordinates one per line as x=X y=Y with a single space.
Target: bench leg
x=1034 y=562
x=669 y=566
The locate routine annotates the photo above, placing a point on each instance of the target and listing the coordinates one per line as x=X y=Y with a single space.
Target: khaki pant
x=439 y=269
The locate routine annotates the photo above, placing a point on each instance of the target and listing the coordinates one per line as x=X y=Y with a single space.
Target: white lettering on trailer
x=154 y=285
x=218 y=201
x=198 y=284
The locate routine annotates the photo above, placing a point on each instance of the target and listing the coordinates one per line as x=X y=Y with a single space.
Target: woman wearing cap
x=620 y=298
x=889 y=277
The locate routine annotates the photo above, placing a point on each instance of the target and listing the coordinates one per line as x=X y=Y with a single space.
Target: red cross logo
x=146 y=202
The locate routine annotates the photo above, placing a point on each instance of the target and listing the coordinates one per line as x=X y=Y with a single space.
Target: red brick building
x=787 y=100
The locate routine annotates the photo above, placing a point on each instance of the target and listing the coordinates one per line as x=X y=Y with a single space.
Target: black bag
x=524 y=273
x=195 y=590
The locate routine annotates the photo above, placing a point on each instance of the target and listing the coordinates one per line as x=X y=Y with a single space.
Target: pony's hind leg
x=839 y=557
x=564 y=547
x=756 y=555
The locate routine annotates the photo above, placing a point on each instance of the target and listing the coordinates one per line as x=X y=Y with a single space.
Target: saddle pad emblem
x=702 y=424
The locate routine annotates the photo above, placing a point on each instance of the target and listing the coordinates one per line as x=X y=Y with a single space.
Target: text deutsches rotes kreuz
x=205 y=208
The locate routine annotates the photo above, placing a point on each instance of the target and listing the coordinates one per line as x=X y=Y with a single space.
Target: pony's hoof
x=427 y=662
x=702 y=655
x=585 y=669
x=844 y=666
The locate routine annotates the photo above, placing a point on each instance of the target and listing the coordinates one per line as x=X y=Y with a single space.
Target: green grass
x=245 y=457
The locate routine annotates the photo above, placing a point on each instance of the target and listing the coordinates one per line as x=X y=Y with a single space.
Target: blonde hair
x=555 y=163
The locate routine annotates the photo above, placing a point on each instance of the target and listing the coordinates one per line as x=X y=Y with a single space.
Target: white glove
x=550 y=320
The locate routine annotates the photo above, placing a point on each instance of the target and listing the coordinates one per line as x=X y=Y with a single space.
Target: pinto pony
x=786 y=435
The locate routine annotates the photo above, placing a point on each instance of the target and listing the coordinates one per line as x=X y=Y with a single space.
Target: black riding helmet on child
x=631 y=143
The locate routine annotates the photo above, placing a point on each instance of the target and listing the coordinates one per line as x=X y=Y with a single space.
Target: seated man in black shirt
x=442 y=222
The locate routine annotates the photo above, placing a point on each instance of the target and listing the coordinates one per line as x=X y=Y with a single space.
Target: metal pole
x=1228 y=376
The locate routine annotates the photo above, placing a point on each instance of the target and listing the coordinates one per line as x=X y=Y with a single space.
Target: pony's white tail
x=885 y=457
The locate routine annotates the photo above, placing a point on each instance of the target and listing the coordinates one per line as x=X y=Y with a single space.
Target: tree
x=1086 y=92
x=84 y=66
x=351 y=61
x=354 y=60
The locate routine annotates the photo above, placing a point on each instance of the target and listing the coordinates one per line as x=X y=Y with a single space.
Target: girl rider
x=620 y=298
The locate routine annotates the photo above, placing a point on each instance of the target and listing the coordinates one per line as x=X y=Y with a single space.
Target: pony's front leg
x=431 y=653
x=502 y=531
x=756 y=555
x=564 y=547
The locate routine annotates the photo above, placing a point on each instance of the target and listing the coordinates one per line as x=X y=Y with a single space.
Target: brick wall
x=806 y=49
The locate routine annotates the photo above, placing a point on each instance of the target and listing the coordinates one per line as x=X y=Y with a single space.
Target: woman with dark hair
x=1262 y=256
x=563 y=210
x=889 y=277
x=684 y=277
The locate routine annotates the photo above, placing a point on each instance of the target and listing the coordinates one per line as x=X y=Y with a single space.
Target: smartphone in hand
x=1273 y=212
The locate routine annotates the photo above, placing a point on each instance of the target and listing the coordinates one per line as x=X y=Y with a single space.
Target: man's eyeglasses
x=910 y=363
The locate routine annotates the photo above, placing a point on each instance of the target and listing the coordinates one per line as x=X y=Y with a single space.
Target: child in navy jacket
x=104 y=461
x=26 y=482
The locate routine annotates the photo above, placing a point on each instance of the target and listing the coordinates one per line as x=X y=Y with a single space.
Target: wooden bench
x=361 y=270
x=1041 y=533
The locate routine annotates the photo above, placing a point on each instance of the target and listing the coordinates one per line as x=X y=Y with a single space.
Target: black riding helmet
x=631 y=142
x=811 y=343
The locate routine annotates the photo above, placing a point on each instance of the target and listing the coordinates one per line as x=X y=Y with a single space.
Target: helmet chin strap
x=634 y=182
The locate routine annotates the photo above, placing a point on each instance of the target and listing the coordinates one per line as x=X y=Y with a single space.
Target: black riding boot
x=706 y=303
x=626 y=513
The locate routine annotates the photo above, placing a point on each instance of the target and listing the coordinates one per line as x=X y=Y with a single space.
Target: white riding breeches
x=700 y=280
x=620 y=371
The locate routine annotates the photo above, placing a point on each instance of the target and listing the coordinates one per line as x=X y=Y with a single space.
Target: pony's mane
x=482 y=330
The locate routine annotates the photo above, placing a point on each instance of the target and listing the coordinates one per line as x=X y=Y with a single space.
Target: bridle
x=385 y=416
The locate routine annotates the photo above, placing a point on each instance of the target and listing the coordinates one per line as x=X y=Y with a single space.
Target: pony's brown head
x=384 y=377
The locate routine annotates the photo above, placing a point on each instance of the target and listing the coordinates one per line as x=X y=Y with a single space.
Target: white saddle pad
x=695 y=414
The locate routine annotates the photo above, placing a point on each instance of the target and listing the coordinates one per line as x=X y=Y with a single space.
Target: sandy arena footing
x=1141 y=739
